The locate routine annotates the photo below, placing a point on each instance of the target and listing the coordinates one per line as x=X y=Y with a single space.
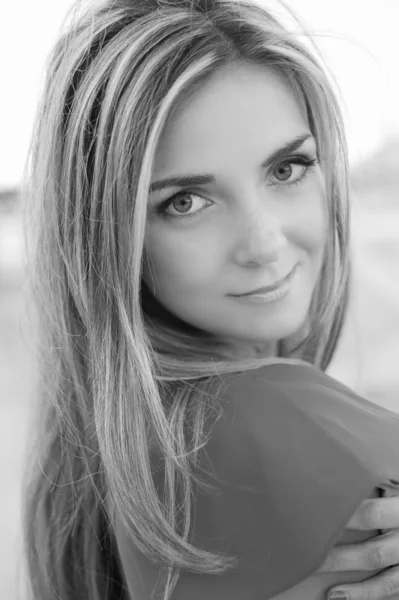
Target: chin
x=291 y=328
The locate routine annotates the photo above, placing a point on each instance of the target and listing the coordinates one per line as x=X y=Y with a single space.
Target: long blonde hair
x=117 y=377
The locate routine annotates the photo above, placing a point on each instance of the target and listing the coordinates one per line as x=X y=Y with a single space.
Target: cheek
x=175 y=260
x=311 y=220
x=312 y=234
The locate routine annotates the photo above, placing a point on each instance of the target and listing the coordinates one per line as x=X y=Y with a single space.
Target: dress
x=290 y=460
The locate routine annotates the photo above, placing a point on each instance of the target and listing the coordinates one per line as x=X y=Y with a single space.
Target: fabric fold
x=291 y=458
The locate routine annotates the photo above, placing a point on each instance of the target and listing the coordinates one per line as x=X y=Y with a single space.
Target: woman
x=150 y=345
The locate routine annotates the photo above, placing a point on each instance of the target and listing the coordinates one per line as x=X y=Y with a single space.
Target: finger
x=376 y=513
x=384 y=585
x=379 y=553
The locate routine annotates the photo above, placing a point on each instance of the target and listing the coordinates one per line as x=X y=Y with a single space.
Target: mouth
x=267 y=289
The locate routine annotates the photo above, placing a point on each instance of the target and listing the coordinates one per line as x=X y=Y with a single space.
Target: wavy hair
x=118 y=376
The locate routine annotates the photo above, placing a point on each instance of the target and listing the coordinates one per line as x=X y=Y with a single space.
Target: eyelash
x=298 y=160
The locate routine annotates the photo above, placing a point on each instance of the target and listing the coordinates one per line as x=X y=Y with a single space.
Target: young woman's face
x=248 y=218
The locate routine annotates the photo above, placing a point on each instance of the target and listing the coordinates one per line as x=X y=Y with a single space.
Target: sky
x=358 y=40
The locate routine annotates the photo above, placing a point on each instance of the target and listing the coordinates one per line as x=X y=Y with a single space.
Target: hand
x=380 y=552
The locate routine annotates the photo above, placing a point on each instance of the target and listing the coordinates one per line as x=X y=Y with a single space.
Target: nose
x=261 y=239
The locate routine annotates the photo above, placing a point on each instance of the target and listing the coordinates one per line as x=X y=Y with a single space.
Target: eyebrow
x=190 y=180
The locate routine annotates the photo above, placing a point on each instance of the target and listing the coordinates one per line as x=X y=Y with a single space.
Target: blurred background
x=358 y=40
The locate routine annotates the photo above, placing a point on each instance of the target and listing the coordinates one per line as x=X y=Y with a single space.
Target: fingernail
x=338 y=595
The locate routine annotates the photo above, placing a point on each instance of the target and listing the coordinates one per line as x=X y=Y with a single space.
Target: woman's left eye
x=294 y=170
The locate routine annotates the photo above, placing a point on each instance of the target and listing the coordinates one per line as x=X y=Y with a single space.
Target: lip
x=270 y=288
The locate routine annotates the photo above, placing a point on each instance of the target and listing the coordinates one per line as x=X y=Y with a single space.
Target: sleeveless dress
x=293 y=455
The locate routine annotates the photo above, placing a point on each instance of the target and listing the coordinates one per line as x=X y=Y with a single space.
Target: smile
x=272 y=294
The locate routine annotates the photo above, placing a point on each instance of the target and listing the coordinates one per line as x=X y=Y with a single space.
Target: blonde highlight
x=116 y=380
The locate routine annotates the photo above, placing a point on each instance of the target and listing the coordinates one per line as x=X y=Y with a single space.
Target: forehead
x=240 y=111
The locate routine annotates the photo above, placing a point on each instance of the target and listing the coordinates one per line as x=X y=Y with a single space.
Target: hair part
x=117 y=380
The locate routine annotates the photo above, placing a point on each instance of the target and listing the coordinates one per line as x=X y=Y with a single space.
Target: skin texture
x=251 y=227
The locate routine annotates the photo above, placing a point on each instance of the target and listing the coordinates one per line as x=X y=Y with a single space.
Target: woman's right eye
x=181 y=200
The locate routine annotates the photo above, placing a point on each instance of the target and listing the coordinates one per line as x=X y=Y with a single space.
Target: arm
x=288 y=476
